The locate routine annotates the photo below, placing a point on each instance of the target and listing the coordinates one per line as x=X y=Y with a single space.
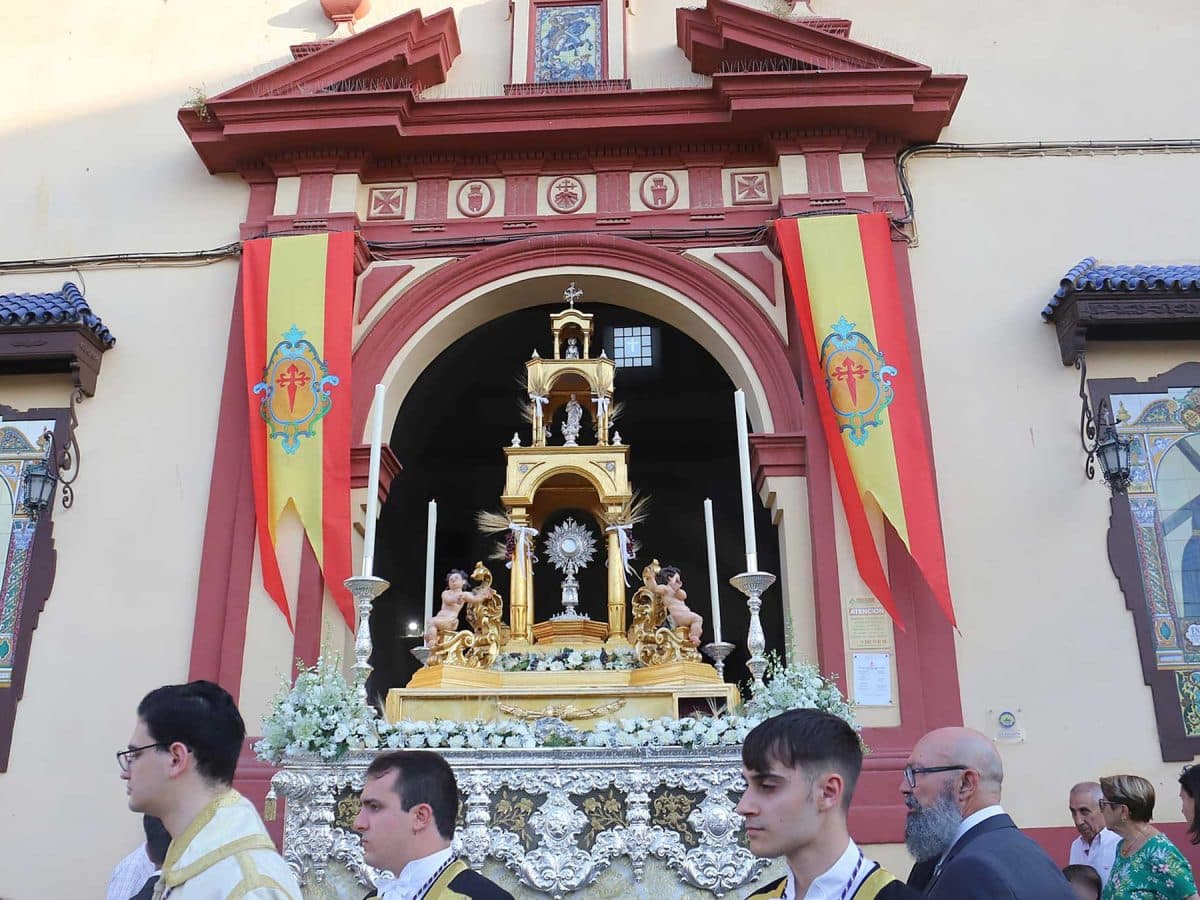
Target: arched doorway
x=464 y=407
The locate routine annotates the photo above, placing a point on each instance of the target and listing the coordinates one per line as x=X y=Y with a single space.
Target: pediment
x=362 y=97
x=727 y=38
x=411 y=51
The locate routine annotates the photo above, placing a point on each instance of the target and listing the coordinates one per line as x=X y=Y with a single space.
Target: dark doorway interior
x=678 y=421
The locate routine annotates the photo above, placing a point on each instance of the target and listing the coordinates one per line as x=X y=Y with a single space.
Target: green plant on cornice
x=198 y=103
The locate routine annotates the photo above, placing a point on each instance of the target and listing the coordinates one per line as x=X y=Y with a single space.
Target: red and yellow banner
x=298 y=297
x=843 y=279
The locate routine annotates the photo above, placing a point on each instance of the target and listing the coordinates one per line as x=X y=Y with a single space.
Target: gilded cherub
x=669 y=587
x=454 y=597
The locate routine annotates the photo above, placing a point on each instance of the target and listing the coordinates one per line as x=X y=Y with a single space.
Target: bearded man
x=966 y=846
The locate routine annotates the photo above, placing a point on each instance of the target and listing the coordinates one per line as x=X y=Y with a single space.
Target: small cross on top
x=571 y=294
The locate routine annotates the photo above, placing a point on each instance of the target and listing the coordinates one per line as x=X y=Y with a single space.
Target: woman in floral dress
x=1148 y=866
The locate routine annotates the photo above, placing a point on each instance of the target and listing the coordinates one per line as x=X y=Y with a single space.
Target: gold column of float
x=518 y=581
x=616 y=587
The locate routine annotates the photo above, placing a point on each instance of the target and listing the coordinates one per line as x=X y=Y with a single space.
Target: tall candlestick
x=739 y=407
x=431 y=534
x=368 y=561
x=712 y=570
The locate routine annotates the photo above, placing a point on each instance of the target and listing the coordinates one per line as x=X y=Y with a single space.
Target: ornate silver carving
x=559 y=861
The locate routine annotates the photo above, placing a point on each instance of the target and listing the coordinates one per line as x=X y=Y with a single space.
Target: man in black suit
x=409 y=806
x=966 y=846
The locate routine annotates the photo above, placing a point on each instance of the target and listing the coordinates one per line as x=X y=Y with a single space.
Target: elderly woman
x=1148 y=866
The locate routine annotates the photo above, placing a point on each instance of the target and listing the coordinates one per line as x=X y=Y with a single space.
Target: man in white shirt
x=129 y=875
x=800 y=769
x=964 y=843
x=406 y=826
x=1096 y=846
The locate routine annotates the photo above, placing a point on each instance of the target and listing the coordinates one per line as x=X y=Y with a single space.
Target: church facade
x=498 y=159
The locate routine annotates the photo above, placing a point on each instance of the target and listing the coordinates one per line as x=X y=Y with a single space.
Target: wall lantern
x=55 y=468
x=1100 y=440
x=41 y=477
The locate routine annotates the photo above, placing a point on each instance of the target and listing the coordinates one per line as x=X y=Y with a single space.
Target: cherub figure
x=454 y=597
x=670 y=589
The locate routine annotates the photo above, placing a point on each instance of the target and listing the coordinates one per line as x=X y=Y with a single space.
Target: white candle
x=368 y=561
x=712 y=570
x=430 y=535
x=739 y=407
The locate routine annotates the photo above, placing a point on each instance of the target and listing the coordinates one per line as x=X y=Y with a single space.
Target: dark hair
x=203 y=717
x=157 y=839
x=1085 y=875
x=807 y=739
x=1189 y=780
x=665 y=573
x=1133 y=792
x=465 y=577
x=422 y=776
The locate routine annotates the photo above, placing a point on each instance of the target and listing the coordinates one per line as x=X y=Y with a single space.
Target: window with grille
x=633 y=346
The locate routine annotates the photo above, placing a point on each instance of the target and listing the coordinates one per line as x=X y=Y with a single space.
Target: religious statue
x=670 y=589
x=453 y=600
x=572 y=426
x=480 y=646
x=572 y=348
x=654 y=640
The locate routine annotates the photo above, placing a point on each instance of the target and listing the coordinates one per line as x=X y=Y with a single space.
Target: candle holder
x=364 y=589
x=421 y=652
x=717 y=651
x=752 y=584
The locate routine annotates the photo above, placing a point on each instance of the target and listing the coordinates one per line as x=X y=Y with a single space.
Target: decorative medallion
x=475 y=198
x=659 y=190
x=294 y=390
x=387 y=203
x=750 y=187
x=566 y=194
x=856 y=378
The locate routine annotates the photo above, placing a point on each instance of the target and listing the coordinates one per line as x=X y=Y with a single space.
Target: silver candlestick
x=752 y=584
x=364 y=588
x=717 y=651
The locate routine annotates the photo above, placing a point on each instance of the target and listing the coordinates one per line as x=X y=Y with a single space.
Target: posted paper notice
x=872 y=674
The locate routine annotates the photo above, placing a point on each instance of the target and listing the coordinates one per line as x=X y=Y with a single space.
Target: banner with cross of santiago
x=842 y=275
x=298 y=300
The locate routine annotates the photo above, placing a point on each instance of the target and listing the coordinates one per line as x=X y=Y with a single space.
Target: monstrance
x=570 y=547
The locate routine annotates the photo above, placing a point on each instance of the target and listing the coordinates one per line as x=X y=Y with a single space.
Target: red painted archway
x=747 y=325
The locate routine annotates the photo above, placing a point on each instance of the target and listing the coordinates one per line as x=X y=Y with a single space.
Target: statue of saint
x=572 y=348
x=670 y=589
x=454 y=597
x=571 y=427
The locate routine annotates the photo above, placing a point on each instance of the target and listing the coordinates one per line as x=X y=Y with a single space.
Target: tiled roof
x=1087 y=276
x=64 y=307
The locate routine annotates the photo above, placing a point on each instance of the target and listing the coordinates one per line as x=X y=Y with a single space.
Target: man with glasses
x=179 y=766
x=966 y=846
x=1096 y=846
x=800 y=769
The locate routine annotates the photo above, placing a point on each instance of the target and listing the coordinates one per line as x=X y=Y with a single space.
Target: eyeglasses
x=1115 y=801
x=911 y=772
x=125 y=758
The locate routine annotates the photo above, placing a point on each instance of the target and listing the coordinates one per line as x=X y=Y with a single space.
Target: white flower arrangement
x=322 y=715
x=319 y=714
x=568 y=660
x=797 y=686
